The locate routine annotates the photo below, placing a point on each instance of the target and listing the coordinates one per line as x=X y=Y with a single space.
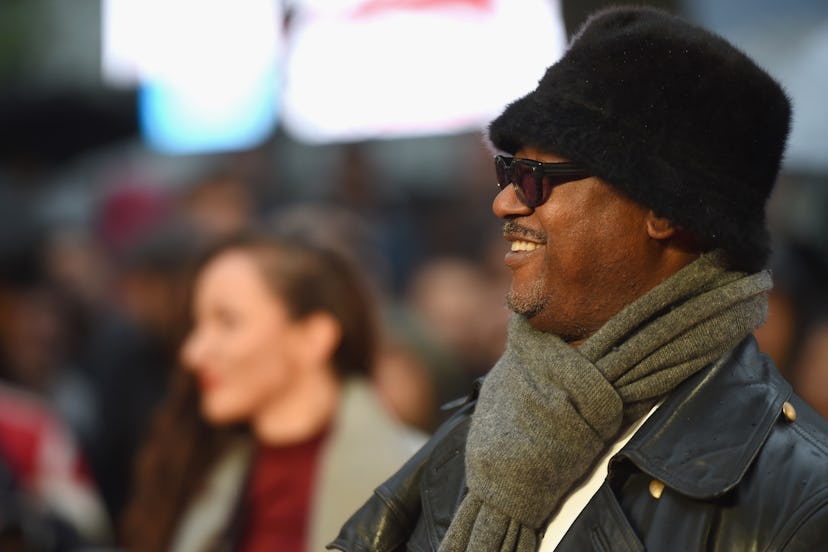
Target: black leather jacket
x=738 y=474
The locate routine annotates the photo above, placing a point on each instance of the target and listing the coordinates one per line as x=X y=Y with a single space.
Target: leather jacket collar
x=675 y=446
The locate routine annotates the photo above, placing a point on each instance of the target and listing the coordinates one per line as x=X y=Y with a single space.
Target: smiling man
x=571 y=272
x=631 y=409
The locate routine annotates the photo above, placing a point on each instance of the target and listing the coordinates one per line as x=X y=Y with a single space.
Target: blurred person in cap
x=632 y=408
x=270 y=435
x=132 y=348
x=48 y=499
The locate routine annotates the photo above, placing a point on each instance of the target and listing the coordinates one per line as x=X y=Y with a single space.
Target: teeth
x=523 y=246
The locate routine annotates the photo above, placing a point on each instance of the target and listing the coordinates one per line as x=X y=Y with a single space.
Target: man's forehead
x=538 y=154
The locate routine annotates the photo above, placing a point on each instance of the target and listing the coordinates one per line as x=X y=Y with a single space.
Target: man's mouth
x=520 y=245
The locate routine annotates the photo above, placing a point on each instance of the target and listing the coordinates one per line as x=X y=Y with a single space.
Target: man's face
x=577 y=259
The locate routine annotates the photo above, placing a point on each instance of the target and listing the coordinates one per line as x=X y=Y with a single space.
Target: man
x=631 y=409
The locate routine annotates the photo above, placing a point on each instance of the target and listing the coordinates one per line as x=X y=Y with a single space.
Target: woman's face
x=243 y=346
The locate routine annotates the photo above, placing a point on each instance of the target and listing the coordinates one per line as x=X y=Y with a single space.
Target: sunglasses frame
x=544 y=177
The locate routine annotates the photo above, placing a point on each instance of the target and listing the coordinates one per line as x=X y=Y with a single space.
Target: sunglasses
x=534 y=180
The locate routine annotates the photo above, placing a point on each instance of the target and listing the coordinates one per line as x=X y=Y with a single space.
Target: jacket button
x=656 y=488
x=788 y=411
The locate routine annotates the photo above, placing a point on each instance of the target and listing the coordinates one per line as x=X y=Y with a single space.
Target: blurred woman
x=270 y=438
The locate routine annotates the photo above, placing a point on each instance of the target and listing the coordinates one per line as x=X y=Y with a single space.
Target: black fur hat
x=669 y=113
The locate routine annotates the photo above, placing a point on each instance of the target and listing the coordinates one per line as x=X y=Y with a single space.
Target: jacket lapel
x=741 y=396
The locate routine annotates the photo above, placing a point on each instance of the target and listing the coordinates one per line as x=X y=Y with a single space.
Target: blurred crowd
x=94 y=307
x=96 y=298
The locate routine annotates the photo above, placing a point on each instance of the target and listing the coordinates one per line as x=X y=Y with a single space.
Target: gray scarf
x=547 y=410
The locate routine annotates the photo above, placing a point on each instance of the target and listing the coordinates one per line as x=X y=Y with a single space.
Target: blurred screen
x=360 y=69
x=207 y=70
x=216 y=75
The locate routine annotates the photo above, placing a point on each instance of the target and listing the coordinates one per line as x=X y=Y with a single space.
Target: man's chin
x=533 y=310
x=520 y=305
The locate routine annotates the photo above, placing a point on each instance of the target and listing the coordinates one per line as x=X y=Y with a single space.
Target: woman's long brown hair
x=182 y=447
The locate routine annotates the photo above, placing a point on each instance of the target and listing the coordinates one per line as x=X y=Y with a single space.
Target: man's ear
x=659 y=228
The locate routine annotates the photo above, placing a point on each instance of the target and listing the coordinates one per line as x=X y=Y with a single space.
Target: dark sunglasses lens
x=501 y=172
x=528 y=186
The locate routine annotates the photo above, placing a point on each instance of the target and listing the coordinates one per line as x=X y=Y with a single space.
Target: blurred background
x=132 y=132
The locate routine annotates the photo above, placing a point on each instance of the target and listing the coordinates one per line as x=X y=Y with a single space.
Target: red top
x=278 y=497
x=35 y=446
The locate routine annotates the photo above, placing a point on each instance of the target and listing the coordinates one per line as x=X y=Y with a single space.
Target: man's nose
x=506 y=204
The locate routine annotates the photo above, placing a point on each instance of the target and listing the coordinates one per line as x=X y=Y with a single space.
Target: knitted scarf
x=547 y=410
